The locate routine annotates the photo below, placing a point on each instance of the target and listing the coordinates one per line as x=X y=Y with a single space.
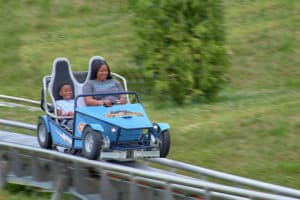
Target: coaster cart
x=119 y=132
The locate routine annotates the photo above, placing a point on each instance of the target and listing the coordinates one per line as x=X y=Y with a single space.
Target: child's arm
x=60 y=113
x=90 y=101
x=70 y=114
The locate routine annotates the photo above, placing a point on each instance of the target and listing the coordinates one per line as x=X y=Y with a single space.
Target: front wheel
x=92 y=142
x=44 y=137
x=164 y=143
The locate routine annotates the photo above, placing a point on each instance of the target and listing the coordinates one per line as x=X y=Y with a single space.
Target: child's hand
x=70 y=113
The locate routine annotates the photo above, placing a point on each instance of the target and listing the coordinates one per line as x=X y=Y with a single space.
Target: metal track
x=23 y=162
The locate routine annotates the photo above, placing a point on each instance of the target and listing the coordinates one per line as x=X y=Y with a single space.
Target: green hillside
x=252 y=130
x=34 y=33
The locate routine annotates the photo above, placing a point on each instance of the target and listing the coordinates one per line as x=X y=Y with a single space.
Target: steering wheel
x=115 y=102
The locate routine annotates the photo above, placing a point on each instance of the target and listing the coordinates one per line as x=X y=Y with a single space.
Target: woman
x=102 y=82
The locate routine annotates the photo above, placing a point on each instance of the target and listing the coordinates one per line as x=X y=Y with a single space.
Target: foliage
x=181 y=45
x=22 y=192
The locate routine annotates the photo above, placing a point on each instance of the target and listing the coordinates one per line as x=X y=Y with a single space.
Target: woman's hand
x=107 y=102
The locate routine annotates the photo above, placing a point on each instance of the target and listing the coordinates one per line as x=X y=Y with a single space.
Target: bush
x=181 y=47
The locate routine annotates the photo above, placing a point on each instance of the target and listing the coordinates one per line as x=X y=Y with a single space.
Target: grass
x=252 y=130
x=44 y=31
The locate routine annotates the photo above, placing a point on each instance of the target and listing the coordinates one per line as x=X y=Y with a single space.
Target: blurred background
x=250 y=126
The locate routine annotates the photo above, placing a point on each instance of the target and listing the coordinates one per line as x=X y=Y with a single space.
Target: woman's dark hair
x=96 y=65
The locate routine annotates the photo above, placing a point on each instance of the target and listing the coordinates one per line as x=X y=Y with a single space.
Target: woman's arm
x=90 y=101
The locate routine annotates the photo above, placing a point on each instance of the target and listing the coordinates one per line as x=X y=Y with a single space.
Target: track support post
x=3 y=172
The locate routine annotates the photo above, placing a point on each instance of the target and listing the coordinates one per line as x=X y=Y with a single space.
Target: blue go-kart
x=118 y=132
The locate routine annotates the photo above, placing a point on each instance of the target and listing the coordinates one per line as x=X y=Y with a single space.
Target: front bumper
x=129 y=154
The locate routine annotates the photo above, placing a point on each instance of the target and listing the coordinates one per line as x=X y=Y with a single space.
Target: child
x=65 y=106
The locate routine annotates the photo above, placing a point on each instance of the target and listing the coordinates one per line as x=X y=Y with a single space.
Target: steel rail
x=24 y=100
x=227 y=177
x=17 y=124
x=166 y=178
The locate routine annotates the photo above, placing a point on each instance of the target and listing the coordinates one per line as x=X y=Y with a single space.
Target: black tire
x=44 y=137
x=92 y=142
x=164 y=143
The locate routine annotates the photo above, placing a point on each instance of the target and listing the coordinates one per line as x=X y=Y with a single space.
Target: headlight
x=155 y=129
x=113 y=130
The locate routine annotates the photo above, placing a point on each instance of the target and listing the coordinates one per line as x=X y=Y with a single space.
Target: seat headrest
x=61 y=74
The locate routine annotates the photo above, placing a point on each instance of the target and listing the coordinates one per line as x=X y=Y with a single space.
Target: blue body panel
x=123 y=125
x=128 y=125
x=59 y=136
x=163 y=126
x=135 y=118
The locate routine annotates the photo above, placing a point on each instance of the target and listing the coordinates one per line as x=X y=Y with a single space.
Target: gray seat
x=80 y=76
x=61 y=73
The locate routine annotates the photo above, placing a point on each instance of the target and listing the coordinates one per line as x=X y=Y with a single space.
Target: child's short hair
x=62 y=85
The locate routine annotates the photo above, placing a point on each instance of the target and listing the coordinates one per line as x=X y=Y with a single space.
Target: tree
x=181 y=45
